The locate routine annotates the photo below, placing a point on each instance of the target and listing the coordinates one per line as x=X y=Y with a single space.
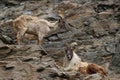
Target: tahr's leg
x=40 y=38
x=18 y=38
x=20 y=35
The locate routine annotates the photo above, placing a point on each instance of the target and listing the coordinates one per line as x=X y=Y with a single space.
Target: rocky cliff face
x=93 y=24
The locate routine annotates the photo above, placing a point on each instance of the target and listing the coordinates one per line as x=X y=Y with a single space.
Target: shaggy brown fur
x=32 y=25
x=92 y=68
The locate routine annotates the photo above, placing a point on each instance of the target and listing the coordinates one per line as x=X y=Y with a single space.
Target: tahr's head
x=69 y=50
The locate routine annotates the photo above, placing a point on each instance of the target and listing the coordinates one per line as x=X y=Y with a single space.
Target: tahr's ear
x=66 y=45
x=73 y=45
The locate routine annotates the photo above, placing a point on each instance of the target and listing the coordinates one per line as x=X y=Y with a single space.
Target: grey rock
x=6 y=39
x=4 y=51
